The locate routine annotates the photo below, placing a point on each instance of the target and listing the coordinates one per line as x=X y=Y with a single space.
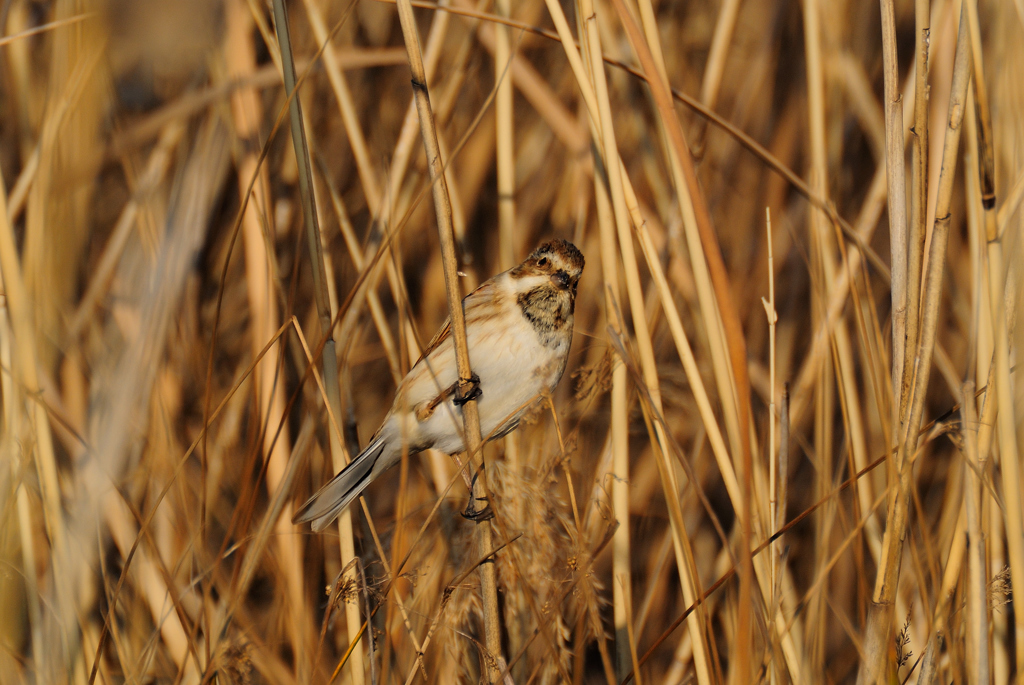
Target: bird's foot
x=478 y=515
x=467 y=390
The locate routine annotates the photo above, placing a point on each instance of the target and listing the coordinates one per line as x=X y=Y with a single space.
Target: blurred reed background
x=161 y=420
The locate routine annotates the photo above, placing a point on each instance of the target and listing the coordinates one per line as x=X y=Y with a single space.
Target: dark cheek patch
x=546 y=309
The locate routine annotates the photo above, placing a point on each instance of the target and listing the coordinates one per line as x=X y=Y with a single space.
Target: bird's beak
x=560 y=279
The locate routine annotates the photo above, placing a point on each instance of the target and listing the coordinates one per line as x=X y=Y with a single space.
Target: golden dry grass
x=161 y=417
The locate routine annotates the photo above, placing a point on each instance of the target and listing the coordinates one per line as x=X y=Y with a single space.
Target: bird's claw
x=467 y=390
x=478 y=515
x=472 y=513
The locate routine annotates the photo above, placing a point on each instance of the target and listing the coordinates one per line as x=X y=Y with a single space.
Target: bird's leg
x=458 y=392
x=466 y=390
x=472 y=513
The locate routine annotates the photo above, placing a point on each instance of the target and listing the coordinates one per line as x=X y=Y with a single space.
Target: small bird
x=519 y=327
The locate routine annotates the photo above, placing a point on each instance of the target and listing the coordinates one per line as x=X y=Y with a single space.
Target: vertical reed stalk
x=505 y=160
x=22 y=327
x=18 y=350
x=773 y=317
x=821 y=268
x=610 y=250
x=1006 y=429
x=879 y=627
x=918 y=209
x=977 y=586
x=981 y=195
x=470 y=414
x=622 y=556
x=505 y=164
x=247 y=115
x=323 y=306
x=621 y=549
x=619 y=444
x=895 y=172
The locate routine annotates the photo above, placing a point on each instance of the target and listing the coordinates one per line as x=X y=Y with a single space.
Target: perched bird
x=519 y=327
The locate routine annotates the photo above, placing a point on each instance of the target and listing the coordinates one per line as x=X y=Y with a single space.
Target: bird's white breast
x=505 y=352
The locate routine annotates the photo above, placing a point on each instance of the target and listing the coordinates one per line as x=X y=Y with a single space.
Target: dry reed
x=173 y=256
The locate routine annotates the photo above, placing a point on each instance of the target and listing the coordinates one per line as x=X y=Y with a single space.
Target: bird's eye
x=542 y=262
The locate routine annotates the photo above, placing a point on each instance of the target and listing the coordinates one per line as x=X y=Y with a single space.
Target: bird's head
x=557 y=263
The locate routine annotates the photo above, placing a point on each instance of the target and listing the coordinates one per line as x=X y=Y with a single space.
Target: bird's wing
x=445 y=331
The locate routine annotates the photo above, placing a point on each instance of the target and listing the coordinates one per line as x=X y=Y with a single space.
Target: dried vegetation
x=160 y=311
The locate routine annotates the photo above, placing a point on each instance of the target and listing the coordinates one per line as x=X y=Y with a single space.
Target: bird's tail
x=323 y=507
